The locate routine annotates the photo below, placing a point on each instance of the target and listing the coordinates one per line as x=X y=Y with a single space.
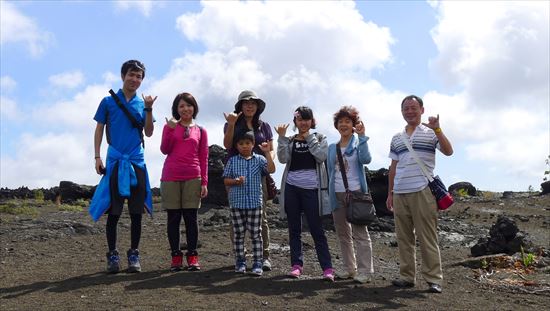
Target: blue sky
x=482 y=66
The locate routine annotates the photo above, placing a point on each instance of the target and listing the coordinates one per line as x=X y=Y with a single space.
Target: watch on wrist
x=148 y=109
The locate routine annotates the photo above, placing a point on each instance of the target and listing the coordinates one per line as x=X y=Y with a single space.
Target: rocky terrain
x=52 y=257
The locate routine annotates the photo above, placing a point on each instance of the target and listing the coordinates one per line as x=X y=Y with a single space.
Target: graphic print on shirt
x=300 y=146
x=346 y=164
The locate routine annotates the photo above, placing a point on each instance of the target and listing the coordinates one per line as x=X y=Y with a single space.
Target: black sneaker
x=133 y=261
x=113 y=262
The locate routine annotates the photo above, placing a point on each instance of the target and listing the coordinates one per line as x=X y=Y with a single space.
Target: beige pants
x=355 y=242
x=265 y=226
x=415 y=215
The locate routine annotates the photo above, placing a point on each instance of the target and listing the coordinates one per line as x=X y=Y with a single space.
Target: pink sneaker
x=295 y=272
x=328 y=274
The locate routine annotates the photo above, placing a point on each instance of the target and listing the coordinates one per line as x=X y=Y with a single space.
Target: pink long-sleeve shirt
x=187 y=157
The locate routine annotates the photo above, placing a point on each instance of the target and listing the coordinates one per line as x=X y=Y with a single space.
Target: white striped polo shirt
x=408 y=175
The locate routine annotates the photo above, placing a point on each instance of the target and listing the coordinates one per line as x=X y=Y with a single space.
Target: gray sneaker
x=113 y=262
x=133 y=261
x=266 y=265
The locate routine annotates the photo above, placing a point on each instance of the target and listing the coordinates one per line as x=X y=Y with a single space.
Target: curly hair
x=189 y=99
x=346 y=112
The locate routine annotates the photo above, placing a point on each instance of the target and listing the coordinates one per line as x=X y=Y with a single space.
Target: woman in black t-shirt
x=303 y=188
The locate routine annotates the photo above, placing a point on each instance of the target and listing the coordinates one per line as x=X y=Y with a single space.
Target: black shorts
x=136 y=201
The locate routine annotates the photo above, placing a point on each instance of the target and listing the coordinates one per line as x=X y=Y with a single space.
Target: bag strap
x=130 y=117
x=342 y=168
x=407 y=143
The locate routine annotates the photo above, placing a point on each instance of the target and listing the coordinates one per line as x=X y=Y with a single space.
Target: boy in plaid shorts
x=243 y=177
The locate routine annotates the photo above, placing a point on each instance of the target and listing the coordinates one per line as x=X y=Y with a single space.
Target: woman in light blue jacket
x=355 y=242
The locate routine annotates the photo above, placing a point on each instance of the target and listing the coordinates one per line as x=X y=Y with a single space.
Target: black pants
x=135 y=230
x=136 y=201
x=191 y=229
x=136 y=208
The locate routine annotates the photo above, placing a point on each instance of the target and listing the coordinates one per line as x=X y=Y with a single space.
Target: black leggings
x=135 y=230
x=191 y=229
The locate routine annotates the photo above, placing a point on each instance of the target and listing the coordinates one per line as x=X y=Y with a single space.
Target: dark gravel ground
x=55 y=261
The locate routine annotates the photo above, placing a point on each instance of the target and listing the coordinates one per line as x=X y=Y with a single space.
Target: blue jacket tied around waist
x=126 y=179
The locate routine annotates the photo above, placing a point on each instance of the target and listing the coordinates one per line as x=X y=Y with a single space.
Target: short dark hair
x=245 y=135
x=418 y=99
x=132 y=65
x=306 y=114
x=189 y=99
x=346 y=112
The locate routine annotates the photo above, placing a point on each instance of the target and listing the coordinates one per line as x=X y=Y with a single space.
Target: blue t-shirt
x=249 y=194
x=122 y=135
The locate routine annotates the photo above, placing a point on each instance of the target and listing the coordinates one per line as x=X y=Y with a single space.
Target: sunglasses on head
x=186 y=133
x=138 y=64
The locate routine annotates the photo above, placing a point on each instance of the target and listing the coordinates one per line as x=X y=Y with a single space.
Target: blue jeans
x=298 y=201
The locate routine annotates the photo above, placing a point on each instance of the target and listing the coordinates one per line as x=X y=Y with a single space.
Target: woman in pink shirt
x=184 y=177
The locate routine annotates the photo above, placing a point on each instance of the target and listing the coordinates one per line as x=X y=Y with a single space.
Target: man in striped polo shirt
x=409 y=197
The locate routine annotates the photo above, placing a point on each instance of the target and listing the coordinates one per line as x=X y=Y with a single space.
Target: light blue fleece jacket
x=358 y=143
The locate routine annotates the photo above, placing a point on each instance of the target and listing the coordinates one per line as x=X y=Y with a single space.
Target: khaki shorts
x=181 y=194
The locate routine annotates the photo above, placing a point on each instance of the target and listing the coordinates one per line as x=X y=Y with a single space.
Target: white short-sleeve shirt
x=408 y=175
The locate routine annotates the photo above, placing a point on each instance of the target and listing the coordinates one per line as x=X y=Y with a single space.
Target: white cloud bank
x=321 y=54
x=71 y=79
x=16 y=27
x=497 y=52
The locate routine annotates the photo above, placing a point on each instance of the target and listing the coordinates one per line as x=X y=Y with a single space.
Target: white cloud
x=144 y=6
x=8 y=108
x=110 y=77
x=53 y=165
x=292 y=65
x=78 y=111
x=321 y=36
x=7 y=84
x=69 y=80
x=321 y=54
x=497 y=50
x=16 y=27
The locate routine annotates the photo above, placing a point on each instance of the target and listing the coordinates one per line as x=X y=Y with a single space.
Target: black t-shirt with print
x=302 y=159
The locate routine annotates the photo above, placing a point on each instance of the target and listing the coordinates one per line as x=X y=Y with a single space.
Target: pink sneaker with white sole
x=295 y=272
x=328 y=274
